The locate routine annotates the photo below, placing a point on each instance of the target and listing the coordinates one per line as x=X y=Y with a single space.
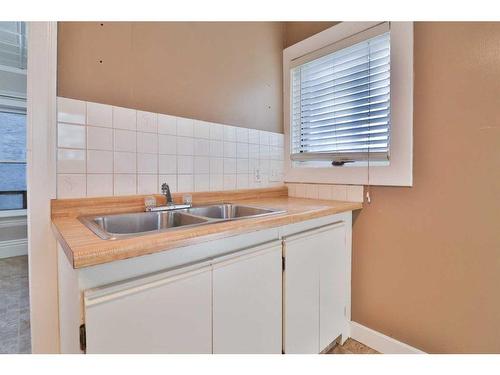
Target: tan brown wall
x=297 y=31
x=426 y=259
x=229 y=73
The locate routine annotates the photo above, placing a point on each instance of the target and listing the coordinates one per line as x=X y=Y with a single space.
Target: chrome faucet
x=165 y=189
x=150 y=202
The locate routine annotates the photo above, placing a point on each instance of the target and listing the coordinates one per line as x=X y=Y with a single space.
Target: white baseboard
x=13 y=248
x=380 y=342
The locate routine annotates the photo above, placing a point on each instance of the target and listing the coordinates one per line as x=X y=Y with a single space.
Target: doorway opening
x=14 y=286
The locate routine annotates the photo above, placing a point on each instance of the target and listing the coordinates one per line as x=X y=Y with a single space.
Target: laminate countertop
x=83 y=248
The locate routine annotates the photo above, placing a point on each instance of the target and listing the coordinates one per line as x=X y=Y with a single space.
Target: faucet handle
x=187 y=199
x=149 y=202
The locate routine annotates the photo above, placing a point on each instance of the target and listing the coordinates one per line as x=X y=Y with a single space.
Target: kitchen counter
x=83 y=248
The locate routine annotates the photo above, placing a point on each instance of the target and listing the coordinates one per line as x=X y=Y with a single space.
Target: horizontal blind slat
x=13 y=46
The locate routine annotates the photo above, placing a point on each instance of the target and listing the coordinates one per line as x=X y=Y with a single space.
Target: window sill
x=13 y=213
x=328 y=164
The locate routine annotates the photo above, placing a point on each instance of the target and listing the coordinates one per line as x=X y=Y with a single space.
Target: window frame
x=397 y=172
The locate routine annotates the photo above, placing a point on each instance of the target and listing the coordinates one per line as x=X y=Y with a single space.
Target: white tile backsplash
x=167 y=164
x=264 y=137
x=147 y=143
x=185 y=182
x=185 y=146
x=99 y=114
x=71 y=185
x=216 y=165
x=124 y=118
x=264 y=152
x=229 y=181
x=71 y=161
x=106 y=150
x=147 y=163
x=242 y=135
x=125 y=140
x=71 y=136
x=99 y=138
x=275 y=140
x=324 y=192
x=253 y=151
x=147 y=122
x=229 y=133
x=253 y=136
x=216 y=148
x=124 y=184
x=201 y=165
x=242 y=181
x=355 y=193
x=229 y=149
x=185 y=127
x=202 y=129
x=201 y=147
x=70 y=110
x=99 y=161
x=339 y=192
x=147 y=184
x=241 y=166
x=350 y=193
x=99 y=185
x=201 y=182
x=167 y=144
x=229 y=166
x=167 y=124
x=125 y=162
x=217 y=132
x=185 y=164
x=242 y=150
x=216 y=182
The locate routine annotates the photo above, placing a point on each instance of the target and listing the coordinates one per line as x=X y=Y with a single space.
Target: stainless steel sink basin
x=117 y=226
x=228 y=211
x=135 y=224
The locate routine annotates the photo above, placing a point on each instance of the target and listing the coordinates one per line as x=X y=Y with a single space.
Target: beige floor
x=352 y=347
x=14 y=306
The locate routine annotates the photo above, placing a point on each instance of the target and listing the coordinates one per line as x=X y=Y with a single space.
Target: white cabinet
x=247 y=302
x=315 y=288
x=231 y=304
x=165 y=313
x=301 y=296
x=332 y=284
x=232 y=301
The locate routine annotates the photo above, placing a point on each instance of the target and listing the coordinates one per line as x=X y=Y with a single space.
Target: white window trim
x=41 y=171
x=399 y=172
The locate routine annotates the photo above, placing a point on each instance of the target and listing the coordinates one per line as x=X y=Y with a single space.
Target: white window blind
x=13 y=48
x=340 y=100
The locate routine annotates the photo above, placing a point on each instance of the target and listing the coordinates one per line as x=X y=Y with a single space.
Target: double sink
x=110 y=227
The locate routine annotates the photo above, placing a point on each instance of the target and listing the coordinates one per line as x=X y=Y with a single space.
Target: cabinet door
x=247 y=302
x=332 y=284
x=301 y=296
x=314 y=288
x=168 y=313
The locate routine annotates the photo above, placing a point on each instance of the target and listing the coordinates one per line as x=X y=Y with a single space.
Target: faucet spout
x=165 y=189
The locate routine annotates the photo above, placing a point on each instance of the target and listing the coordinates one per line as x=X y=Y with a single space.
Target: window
x=348 y=105
x=12 y=161
x=12 y=115
x=341 y=104
x=13 y=47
